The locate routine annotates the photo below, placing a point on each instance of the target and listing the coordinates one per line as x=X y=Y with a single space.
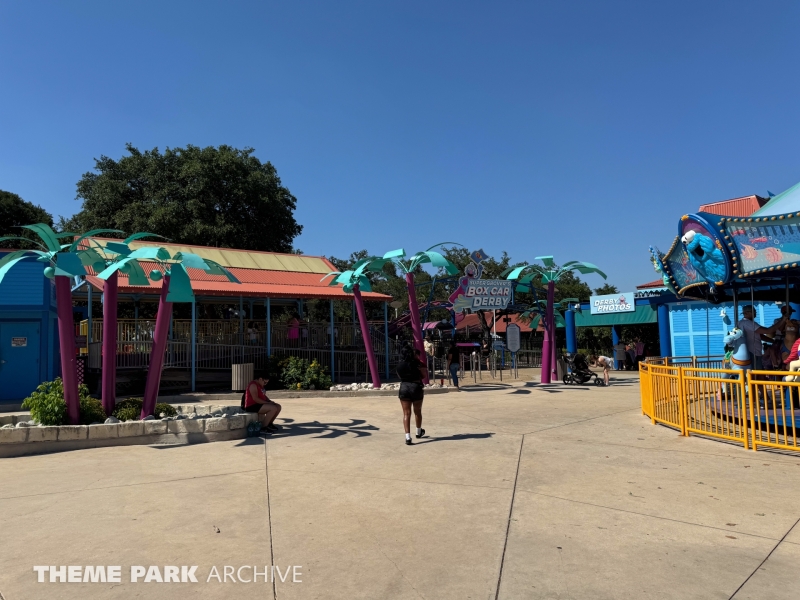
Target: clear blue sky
x=582 y=130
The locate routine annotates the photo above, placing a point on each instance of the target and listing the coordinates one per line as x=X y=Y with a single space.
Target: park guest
x=256 y=401
x=620 y=355
x=755 y=333
x=639 y=348
x=454 y=362
x=428 y=344
x=603 y=362
x=411 y=371
x=293 y=330
x=486 y=354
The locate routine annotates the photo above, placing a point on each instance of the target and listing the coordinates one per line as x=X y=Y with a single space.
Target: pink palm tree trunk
x=362 y=319
x=160 y=336
x=416 y=323
x=548 y=344
x=109 y=385
x=66 y=339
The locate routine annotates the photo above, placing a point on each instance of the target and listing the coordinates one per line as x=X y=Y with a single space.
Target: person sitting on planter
x=256 y=401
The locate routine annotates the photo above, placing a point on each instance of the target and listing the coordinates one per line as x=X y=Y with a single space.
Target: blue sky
x=578 y=129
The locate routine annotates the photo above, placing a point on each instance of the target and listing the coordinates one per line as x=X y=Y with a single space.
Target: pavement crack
x=508 y=523
x=269 y=518
x=582 y=421
x=765 y=559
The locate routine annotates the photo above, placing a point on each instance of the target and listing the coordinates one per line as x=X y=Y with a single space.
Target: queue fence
x=753 y=408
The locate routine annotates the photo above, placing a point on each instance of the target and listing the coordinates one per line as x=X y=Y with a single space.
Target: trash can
x=561 y=368
x=241 y=375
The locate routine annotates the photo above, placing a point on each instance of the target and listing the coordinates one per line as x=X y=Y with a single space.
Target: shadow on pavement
x=289 y=428
x=456 y=437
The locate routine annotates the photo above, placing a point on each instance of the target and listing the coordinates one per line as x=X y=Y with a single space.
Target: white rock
x=149 y=418
x=23 y=424
x=111 y=420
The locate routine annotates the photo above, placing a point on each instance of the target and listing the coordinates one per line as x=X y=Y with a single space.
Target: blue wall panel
x=698 y=330
x=23 y=285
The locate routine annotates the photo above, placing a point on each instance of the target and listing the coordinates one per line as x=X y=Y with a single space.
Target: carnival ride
x=723 y=259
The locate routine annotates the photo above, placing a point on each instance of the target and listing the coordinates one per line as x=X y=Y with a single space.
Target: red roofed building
x=272 y=287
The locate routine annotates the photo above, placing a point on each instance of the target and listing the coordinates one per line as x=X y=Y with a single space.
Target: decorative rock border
x=194 y=424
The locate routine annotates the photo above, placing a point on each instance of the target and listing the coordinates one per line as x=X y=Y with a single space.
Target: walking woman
x=411 y=371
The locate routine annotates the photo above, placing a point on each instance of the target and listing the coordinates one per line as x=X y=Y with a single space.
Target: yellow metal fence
x=754 y=408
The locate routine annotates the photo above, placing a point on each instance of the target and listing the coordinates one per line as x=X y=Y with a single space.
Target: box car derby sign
x=481 y=294
x=612 y=303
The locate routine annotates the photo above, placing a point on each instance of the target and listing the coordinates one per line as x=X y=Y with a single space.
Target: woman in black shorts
x=411 y=371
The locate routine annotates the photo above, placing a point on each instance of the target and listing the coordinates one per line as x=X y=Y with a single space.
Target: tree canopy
x=606 y=289
x=14 y=212
x=210 y=196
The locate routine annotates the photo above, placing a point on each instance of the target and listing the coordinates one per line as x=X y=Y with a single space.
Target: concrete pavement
x=518 y=491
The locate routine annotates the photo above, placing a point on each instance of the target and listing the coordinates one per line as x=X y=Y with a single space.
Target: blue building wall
x=28 y=339
x=697 y=328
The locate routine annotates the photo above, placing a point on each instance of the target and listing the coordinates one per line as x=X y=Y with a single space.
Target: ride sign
x=482 y=294
x=612 y=303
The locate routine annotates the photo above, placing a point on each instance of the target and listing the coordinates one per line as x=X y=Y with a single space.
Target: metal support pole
x=269 y=328
x=333 y=345
x=193 y=342
x=89 y=314
x=241 y=322
x=386 y=334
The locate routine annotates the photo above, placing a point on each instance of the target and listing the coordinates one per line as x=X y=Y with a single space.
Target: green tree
x=605 y=289
x=205 y=196
x=15 y=212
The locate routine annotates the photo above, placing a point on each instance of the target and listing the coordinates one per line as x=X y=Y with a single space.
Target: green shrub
x=316 y=377
x=91 y=410
x=48 y=407
x=297 y=374
x=47 y=403
x=294 y=372
x=131 y=409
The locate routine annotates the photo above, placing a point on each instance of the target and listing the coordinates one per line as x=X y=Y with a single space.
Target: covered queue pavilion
x=266 y=315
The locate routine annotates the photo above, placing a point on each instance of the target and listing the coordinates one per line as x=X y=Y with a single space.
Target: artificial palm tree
x=549 y=273
x=63 y=264
x=175 y=287
x=353 y=281
x=100 y=256
x=408 y=268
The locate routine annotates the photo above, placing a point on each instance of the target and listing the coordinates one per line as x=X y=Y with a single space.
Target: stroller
x=579 y=372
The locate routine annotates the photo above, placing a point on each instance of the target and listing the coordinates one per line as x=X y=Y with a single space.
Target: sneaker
x=273 y=427
x=409 y=442
x=421 y=434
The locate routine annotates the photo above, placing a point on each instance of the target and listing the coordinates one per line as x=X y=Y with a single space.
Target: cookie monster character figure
x=736 y=353
x=705 y=256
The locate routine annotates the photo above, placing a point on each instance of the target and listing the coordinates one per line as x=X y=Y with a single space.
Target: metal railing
x=748 y=407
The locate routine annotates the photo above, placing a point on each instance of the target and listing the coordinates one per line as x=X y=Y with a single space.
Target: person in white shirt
x=754 y=333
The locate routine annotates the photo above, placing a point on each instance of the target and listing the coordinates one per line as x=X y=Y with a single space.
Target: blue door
x=19 y=359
